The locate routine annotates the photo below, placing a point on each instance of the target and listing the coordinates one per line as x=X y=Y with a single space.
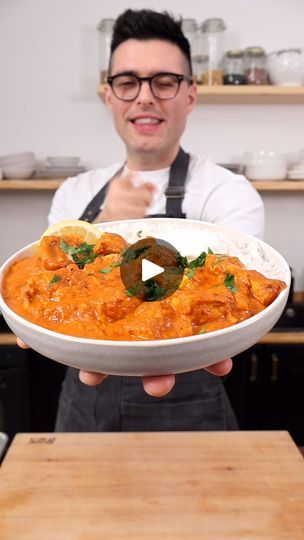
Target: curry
x=75 y=288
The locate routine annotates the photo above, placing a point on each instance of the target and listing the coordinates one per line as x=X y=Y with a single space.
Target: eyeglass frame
x=180 y=79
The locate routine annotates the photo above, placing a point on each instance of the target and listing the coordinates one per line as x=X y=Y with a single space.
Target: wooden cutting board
x=152 y=486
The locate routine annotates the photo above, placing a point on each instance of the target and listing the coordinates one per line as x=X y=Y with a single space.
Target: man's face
x=148 y=125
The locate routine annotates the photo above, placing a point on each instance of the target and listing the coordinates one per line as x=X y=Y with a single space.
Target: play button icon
x=151 y=269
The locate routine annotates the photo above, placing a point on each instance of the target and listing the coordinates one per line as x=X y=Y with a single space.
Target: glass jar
x=105 y=28
x=255 y=66
x=212 y=46
x=189 y=28
x=234 y=67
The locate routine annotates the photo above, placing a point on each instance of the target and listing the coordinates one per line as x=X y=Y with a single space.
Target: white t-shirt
x=212 y=194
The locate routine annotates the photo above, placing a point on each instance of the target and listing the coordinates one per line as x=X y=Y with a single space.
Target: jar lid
x=106 y=25
x=254 y=51
x=235 y=53
x=189 y=25
x=213 y=25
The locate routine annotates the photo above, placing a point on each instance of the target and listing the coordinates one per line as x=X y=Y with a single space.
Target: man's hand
x=125 y=200
x=156 y=386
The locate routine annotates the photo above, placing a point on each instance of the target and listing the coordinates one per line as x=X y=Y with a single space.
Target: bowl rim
x=148 y=343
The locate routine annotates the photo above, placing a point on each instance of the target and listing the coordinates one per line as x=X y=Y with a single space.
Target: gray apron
x=198 y=401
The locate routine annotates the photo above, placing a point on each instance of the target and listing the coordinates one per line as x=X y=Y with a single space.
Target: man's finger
x=90 y=378
x=21 y=343
x=158 y=386
x=220 y=368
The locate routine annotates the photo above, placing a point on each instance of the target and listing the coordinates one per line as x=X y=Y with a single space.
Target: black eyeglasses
x=126 y=86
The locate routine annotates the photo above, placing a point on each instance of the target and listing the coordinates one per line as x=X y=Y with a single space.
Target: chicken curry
x=75 y=288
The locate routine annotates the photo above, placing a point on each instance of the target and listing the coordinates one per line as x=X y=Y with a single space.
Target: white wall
x=49 y=74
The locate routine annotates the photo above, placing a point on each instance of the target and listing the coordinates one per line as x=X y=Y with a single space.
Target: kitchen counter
x=152 y=486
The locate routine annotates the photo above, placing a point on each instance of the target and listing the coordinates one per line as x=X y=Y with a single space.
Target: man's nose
x=145 y=92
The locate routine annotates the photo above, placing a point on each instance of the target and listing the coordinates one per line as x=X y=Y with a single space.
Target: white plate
x=61 y=169
x=170 y=355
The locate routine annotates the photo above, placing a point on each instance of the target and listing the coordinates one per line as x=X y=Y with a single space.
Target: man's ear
x=192 y=96
x=108 y=96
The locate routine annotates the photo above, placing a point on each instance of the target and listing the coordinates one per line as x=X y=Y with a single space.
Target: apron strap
x=175 y=191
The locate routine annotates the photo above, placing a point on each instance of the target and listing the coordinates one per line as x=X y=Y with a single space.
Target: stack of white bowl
x=60 y=167
x=18 y=165
x=297 y=171
x=265 y=165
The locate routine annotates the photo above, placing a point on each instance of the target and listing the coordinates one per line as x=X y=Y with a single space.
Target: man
x=150 y=94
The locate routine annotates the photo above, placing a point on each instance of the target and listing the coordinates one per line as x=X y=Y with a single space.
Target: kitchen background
x=49 y=104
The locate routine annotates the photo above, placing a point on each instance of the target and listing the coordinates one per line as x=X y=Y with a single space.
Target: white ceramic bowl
x=265 y=165
x=286 y=67
x=22 y=170
x=62 y=161
x=170 y=355
x=266 y=172
x=13 y=159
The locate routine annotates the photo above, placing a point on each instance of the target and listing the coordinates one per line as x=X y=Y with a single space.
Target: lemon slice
x=87 y=231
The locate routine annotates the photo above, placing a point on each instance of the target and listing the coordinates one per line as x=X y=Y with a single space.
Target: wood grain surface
x=152 y=486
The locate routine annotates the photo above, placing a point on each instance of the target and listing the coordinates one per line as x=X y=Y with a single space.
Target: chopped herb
x=191 y=272
x=203 y=330
x=229 y=282
x=183 y=261
x=134 y=253
x=154 y=291
x=199 y=261
x=210 y=252
x=109 y=269
x=139 y=234
x=81 y=255
x=133 y=290
x=54 y=279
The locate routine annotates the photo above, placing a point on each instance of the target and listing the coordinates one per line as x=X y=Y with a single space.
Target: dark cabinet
x=30 y=385
x=266 y=389
x=45 y=380
x=14 y=390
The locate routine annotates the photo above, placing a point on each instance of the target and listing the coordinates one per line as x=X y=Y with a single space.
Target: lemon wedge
x=88 y=232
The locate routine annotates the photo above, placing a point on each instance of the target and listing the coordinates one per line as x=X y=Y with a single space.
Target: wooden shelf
x=244 y=94
x=272 y=338
x=7 y=339
x=52 y=184
x=47 y=184
x=283 y=338
x=280 y=185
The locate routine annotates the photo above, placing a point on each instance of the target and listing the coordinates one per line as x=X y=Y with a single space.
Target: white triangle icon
x=150 y=270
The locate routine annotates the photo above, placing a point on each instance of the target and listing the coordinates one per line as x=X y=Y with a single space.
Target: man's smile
x=146 y=123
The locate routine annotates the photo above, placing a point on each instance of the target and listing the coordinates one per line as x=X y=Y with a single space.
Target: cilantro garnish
x=190 y=273
x=81 y=255
x=54 y=279
x=109 y=269
x=199 y=261
x=134 y=253
x=203 y=330
x=154 y=291
x=139 y=234
x=230 y=283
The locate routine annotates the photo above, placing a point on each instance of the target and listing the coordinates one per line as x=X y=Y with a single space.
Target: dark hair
x=146 y=24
